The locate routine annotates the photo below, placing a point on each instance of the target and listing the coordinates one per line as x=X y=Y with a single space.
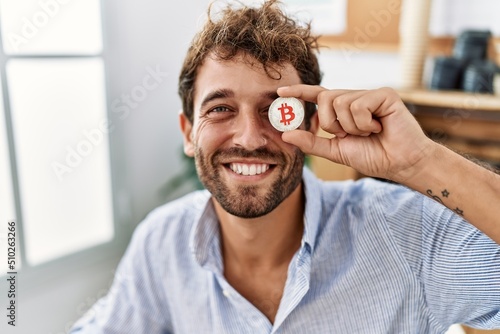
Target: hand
x=373 y=131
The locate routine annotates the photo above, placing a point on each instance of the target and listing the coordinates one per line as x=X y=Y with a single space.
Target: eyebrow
x=217 y=94
x=226 y=93
x=272 y=95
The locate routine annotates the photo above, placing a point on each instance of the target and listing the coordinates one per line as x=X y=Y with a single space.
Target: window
x=51 y=27
x=7 y=209
x=56 y=130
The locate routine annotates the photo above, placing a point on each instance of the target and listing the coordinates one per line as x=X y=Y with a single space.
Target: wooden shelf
x=451 y=99
x=469 y=330
x=437 y=46
x=468 y=123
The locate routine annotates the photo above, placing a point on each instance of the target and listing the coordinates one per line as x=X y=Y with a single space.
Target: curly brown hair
x=265 y=33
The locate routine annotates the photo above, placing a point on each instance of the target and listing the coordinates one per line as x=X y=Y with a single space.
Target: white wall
x=140 y=35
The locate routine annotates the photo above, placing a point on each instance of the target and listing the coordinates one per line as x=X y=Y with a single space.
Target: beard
x=249 y=201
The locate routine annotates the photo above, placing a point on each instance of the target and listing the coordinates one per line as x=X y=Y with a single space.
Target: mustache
x=238 y=152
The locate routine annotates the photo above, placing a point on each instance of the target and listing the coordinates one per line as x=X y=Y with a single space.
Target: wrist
x=420 y=162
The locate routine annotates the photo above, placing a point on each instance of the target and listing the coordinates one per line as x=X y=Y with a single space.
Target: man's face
x=240 y=158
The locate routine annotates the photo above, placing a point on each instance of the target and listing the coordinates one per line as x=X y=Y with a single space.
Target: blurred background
x=89 y=138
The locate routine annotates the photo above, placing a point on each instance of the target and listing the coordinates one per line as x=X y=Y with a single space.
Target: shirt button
x=226 y=293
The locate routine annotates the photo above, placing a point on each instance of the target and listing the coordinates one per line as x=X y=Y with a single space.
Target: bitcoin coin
x=286 y=113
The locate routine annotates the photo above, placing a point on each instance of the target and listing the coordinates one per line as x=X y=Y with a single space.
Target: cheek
x=271 y=131
x=209 y=136
x=291 y=151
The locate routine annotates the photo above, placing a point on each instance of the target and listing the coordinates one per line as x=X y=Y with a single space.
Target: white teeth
x=249 y=169
x=252 y=170
x=245 y=170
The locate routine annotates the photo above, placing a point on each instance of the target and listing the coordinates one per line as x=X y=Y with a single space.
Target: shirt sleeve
x=460 y=269
x=135 y=302
x=457 y=265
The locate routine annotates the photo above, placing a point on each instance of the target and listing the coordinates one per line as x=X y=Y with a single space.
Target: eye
x=220 y=112
x=220 y=109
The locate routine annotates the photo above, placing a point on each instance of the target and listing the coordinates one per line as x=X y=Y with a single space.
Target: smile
x=248 y=169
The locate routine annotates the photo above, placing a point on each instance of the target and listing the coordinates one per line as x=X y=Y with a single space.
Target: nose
x=250 y=130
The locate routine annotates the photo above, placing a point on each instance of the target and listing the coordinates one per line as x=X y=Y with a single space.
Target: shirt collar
x=204 y=241
x=312 y=214
x=205 y=236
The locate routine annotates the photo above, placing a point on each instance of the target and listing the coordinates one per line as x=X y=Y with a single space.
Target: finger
x=362 y=109
x=323 y=98
x=309 y=143
x=334 y=112
x=327 y=115
x=334 y=128
x=303 y=92
x=307 y=92
x=354 y=111
x=342 y=106
x=382 y=102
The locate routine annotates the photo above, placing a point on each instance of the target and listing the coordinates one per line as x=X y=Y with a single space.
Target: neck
x=265 y=242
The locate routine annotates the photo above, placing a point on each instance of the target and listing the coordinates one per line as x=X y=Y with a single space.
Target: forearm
x=468 y=189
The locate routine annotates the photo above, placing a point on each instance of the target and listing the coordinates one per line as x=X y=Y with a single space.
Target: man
x=268 y=248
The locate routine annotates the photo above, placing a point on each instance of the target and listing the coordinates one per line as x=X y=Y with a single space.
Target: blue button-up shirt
x=375 y=258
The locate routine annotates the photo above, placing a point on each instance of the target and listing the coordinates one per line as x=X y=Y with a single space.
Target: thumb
x=314 y=145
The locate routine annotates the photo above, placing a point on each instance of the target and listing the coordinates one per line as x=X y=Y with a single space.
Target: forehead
x=242 y=75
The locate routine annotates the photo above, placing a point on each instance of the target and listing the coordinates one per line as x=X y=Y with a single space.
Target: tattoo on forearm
x=444 y=193
x=434 y=197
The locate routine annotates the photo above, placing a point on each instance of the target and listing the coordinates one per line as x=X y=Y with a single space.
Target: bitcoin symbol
x=287 y=114
x=292 y=113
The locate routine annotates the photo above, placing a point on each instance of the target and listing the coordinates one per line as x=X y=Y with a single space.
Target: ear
x=186 y=128
x=314 y=123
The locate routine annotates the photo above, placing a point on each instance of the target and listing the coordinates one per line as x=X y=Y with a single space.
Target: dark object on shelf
x=478 y=77
x=496 y=83
x=447 y=73
x=468 y=68
x=472 y=45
